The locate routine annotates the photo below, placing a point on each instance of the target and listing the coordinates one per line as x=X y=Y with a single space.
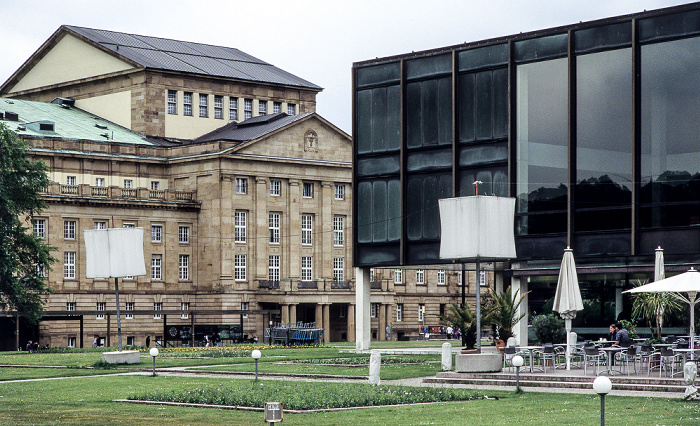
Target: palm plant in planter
x=461 y=317
x=500 y=310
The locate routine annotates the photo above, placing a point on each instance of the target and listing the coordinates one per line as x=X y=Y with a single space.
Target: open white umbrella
x=684 y=286
x=567 y=299
x=659 y=270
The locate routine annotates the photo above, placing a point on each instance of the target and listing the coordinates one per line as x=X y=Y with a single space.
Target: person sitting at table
x=622 y=338
x=611 y=335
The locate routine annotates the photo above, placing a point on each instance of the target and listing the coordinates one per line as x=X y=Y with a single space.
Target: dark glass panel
x=414 y=122
x=608 y=36
x=394 y=209
x=431 y=212
x=427 y=160
x=414 y=208
x=549 y=223
x=364 y=212
x=393 y=118
x=428 y=66
x=604 y=140
x=422 y=212
x=542 y=139
x=423 y=253
x=379 y=211
x=466 y=107
x=429 y=112
x=379 y=74
x=670 y=166
x=483 y=154
x=378 y=113
x=377 y=165
x=483 y=57
x=484 y=105
x=603 y=244
x=387 y=255
x=494 y=182
x=667 y=26
x=379 y=109
x=541 y=48
x=500 y=103
x=364 y=122
x=444 y=117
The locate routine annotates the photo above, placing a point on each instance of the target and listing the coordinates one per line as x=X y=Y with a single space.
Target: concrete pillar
x=327 y=321
x=618 y=300
x=363 y=329
x=520 y=285
x=226 y=231
x=351 y=322
x=285 y=313
x=381 y=332
x=498 y=281
x=258 y=234
x=292 y=312
x=319 y=316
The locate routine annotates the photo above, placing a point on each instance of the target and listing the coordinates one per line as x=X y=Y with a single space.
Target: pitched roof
x=252 y=128
x=189 y=57
x=59 y=119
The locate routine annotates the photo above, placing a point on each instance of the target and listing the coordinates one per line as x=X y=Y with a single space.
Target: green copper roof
x=61 y=120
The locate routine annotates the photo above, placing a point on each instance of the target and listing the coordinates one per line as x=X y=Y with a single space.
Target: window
x=240 y=226
x=441 y=277
x=399 y=312
x=459 y=277
x=157 y=306
x=306 y=268
x=40 y=269
x=70 y=306
x=157 y=233
x=241 y=185
x=338 y=269
x=39 y=226
x=275 y=187
x=129 y=225
x=203 y=107
x=128 y=183
x=218 y=106
x=240 y=267
x=342 y=311
x=306 y=229
x=100 y=308
x=291 y=109
x=308 y=190
x=129 y=340
x=371 y=274
x=373 y=309
x=398 y=276
x=273 y=268
x=244 y=307
x=172 y=101
x=420 y=276
x=276 y=107
x=184 y=306
x=187 y=103
x=100 y=225
x=340 y=192
x=262 y=107
x=183 y=234
x=156 y=267
x=71 y=342
x=421 y=312
x=482 y=278
x=247 y=109
x=70 y=180
x=338 y=230
x=69 y=264
x=184 y=267
x=99 y=181
x=274 y=226
x=69 y=229
x=233 y=109
x=129 y=306
x=155 y=185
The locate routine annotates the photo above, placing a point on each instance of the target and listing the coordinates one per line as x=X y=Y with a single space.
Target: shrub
x=549 y=328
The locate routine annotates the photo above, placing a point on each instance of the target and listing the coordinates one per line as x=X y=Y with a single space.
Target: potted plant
x=654 y=308
x=461 y=317
x=501 y=311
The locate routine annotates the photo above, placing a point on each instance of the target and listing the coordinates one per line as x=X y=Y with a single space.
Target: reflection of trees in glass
x=601 y=192
x=659 y=200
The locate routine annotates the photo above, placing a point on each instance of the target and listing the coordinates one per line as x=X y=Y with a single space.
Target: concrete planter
x=478 y=363
x=123 y=357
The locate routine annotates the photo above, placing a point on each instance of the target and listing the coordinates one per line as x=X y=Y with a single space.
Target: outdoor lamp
x=517 y=362
x=602 y=385
x=154 y=354
x=256 y=356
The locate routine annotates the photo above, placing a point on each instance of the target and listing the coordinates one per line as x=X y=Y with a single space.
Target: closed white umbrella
x=659 y=270
x=567 y=299
x=684 y=286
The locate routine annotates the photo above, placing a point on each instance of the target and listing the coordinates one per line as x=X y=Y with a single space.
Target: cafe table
x=611 y=350
x=531 y=350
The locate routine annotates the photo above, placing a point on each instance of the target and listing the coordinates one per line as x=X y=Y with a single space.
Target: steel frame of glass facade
x=593 y=127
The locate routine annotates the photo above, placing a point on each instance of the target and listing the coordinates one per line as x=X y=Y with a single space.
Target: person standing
x=449 y=332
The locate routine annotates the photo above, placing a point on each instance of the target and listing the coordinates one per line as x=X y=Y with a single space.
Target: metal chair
x=508 y=353
x=668 y=360
x=546 y=355
x=630 y=354
x=593 y=355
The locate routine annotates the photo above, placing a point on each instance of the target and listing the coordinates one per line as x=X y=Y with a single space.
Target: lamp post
x=517 y=363
x=602 y=386
x=256 y=356
x=154 y=354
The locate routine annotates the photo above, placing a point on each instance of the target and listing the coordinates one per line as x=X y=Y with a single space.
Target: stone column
x=292 y=312
x=319 y=316
x=351 y=322
x=520 y=330
x=285 y=313
x=327 y=322
x=381 y=315
x=291 y=258
x=225 y=230
x=325 y=222
x=363 y=329
x=258 y=221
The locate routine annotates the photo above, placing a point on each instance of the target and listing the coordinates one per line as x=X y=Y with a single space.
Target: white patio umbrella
x=567 y=299
x=659 y=270
x=684 y=286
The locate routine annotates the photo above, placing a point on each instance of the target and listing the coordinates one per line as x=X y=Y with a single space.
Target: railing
x=115 y=192
x=128 y=192
x=157 y=194
x=69 y=189
x=340 y=285
x=272 y=285
x=308 y=285
x=99 y=191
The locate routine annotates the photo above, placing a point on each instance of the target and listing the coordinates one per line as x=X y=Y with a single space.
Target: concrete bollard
x=375 y=362
x=446 y=357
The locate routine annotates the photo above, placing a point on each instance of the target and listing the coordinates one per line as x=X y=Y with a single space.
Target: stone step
x=660 y=387
x=651 y=380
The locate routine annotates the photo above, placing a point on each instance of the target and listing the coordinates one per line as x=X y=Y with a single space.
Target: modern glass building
x=593 y=127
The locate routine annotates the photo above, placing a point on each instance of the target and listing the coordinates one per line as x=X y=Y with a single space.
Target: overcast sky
x=317 y=40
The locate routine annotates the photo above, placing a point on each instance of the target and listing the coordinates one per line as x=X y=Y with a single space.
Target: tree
x=462 y=318
x=500 y=310
x=23 y=256
x=654 y=308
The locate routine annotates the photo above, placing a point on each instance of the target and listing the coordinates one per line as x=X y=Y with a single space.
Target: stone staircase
x=561 y=381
